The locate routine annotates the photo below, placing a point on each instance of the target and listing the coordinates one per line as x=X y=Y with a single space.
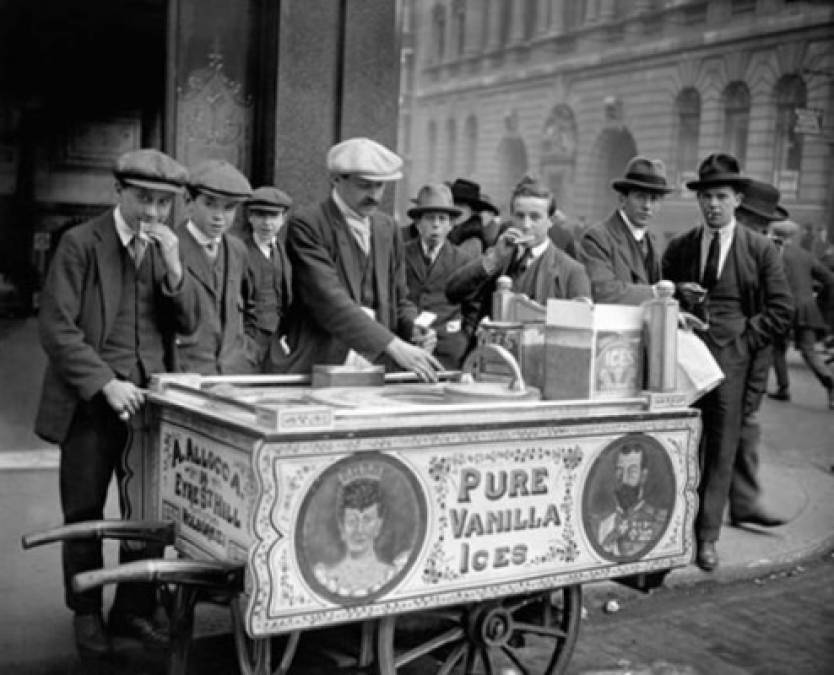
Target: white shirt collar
x=428 y=253
x=346 y=211
x=200 y=236
x=536 y=251
x=637 y=232
x=124 y=230
x=264 y=246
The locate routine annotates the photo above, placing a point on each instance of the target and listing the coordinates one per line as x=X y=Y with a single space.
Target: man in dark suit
x=621 y=254
x=115 y=294
x=758 y=209
x=218 y=263
x=269 y=274
x=475 y=228
x=349 y=289
x=747 y=303
x=429 y=261
x=803 y=271
x=524 y=253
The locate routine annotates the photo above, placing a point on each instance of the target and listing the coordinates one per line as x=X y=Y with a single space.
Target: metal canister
x=661 y=335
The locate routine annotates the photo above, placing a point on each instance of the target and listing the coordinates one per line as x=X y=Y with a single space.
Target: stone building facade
x=569 y=90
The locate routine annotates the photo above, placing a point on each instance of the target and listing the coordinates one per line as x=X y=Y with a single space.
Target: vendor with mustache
x=351 y=303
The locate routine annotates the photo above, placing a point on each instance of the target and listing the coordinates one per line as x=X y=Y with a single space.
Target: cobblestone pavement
x=778 y=625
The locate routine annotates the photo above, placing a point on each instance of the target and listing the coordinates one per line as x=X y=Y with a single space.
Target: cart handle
x=224 y=576
x=162 y=532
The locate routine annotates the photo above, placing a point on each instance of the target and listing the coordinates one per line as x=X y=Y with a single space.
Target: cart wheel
x=254 y=655
x=484 y=637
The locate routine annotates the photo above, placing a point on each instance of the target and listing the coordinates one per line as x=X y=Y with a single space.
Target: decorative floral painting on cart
x=352 y=528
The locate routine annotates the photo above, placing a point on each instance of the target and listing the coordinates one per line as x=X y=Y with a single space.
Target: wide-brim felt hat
x=719 y=169
x=432 y=198
x=762 y=199
x=642 y=173
x=219 y=177
x=151 y=169
x=268 y=198
x=469 y=192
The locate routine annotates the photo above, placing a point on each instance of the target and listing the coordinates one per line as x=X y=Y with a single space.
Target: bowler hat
x=762 y=199
x=218 y=177
x=364 y=158
x=719 y=169
x=151 y=169
x=641 y=173
x=268 y=198
x=469 y=192
x=434 y=197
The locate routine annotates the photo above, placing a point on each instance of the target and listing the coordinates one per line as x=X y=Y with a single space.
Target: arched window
x=736 y=120
x=451 y=146
x=439 y=30
x=471 y=132
x=432 y=143
x=459 y=14
x=790 y=94
x=688 y=107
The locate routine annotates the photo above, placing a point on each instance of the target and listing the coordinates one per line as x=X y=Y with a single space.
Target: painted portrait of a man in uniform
x=627 y=516
x=361 y=528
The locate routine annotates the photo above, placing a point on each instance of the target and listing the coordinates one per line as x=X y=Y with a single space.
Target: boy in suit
x=115 y=295
x=217 y=262
x=269 y=274
x=429 y=260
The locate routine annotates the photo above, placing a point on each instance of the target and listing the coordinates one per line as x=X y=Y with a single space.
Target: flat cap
x=151 y=169
x=268 y=198
x=364 y=158
x=218 y=177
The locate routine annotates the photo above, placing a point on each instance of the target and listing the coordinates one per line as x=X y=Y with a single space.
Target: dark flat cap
x=151 y=169
x=218 y=177
x=268 y=198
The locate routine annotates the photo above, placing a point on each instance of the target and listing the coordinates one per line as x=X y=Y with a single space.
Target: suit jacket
x=269 y=284
x=80 y=301
x=803 y=271
x=560 y=276
x=614 y=262
x=765 y=295
x=326 y=319
x=427 y=290
x=196 y=351
x=563 y=239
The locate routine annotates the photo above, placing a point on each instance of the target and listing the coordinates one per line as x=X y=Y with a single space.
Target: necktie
x=710 y=276
x=521 y=263
x=211 y=249
x=137 y=249
x=644 y=247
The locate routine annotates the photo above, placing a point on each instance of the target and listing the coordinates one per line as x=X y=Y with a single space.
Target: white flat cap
x=364 y=158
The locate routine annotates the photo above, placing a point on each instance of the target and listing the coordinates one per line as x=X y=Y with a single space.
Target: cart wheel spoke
x=550 y=631
x=516 y=604
x=471 y=663
x=516 y=662
x=486 y=660
x=254 y=656
x=453 y=659
x=451 y=635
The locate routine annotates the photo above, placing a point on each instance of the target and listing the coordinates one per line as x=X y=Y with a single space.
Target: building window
x=574 y=14
x=506 y=19
x=736 y=120
x=432 y=143
x=742 y=6
x=790 y=94
x=531 y=17
x=439 y=29
x=459 y=10
x=688 y=107
x=451 y=146
x=471 y=131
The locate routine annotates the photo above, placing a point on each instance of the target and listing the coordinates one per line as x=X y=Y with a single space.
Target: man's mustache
x=370 y=202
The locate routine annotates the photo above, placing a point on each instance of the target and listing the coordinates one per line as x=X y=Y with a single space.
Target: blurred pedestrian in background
x=476 y=228
x=803 y=271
